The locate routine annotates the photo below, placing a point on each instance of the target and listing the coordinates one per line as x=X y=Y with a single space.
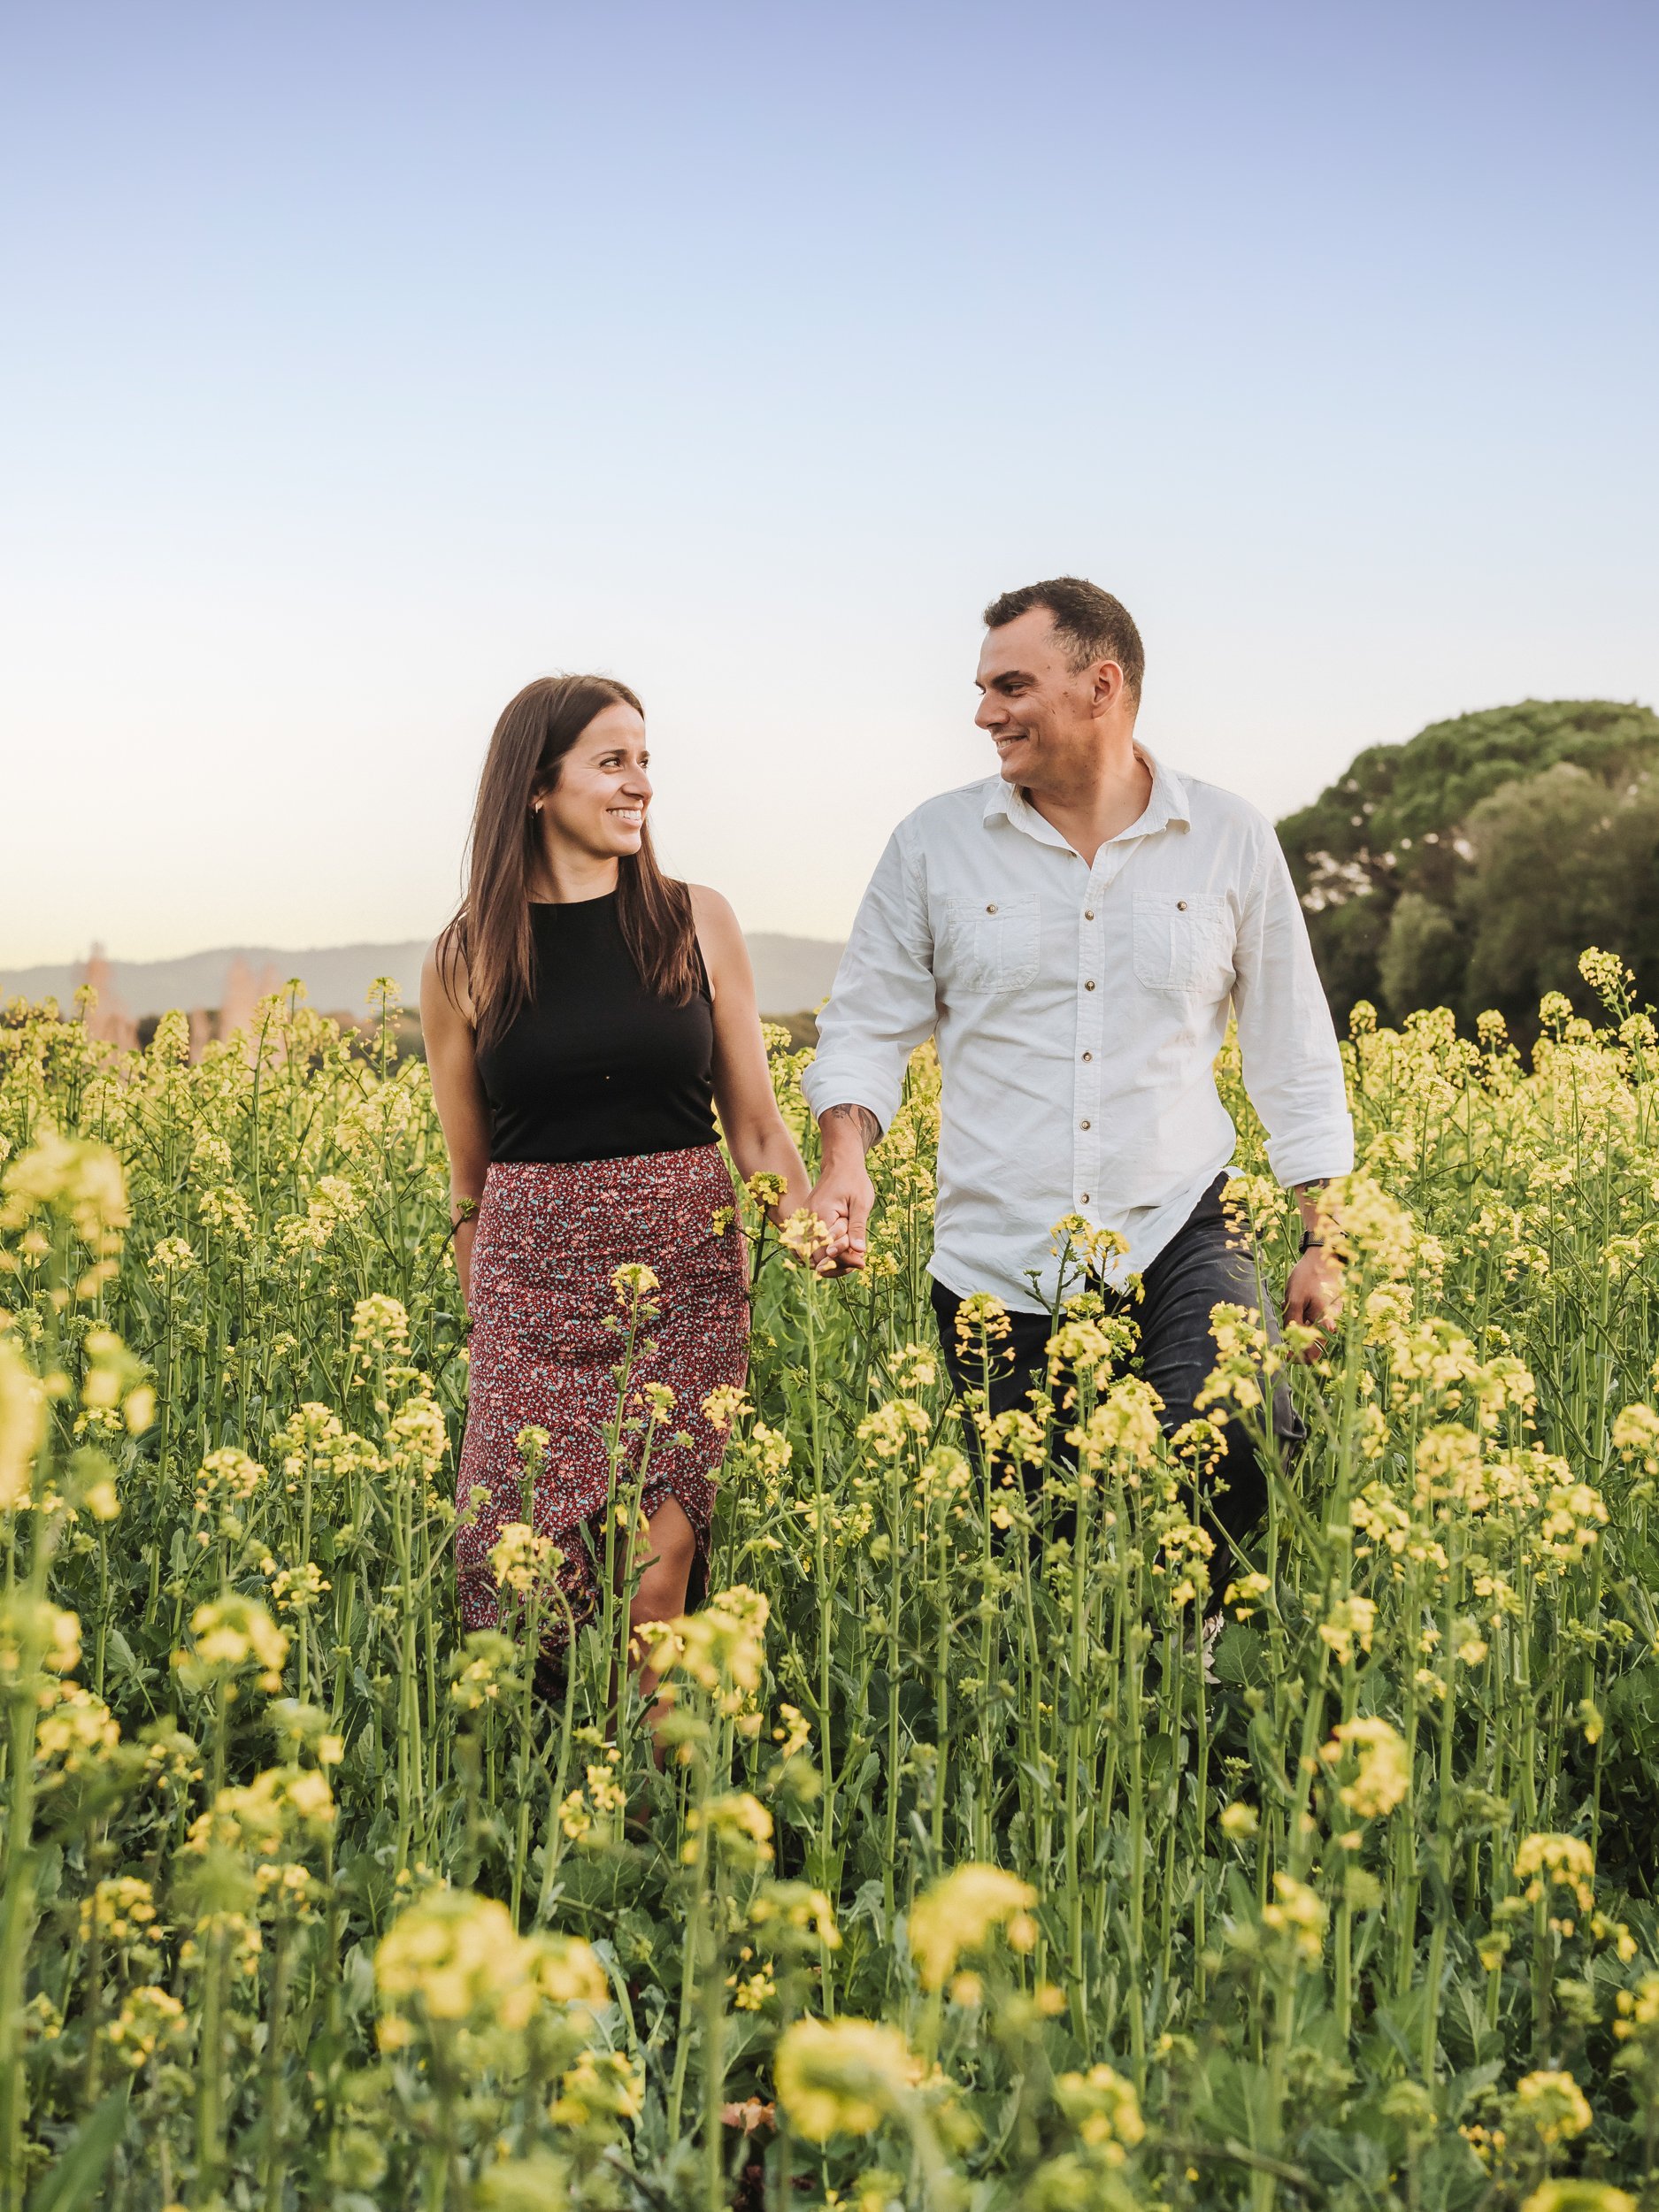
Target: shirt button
x=1180 y=906
x=1088 y=1056
x=1088 y=986
x=1082 y=1125
x=1089 y=915
x=992 y=908
x=1084 y=1200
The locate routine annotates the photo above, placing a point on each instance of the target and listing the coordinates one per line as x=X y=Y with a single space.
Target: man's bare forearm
x=1310 y=1200
x=844 y=1126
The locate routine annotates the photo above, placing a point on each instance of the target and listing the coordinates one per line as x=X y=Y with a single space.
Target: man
x=1074 y=930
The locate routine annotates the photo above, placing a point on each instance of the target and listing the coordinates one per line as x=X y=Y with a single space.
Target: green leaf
x=78 y=2175
x=1241 y=1658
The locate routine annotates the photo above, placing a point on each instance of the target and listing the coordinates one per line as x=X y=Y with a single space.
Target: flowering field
x=963 y=1886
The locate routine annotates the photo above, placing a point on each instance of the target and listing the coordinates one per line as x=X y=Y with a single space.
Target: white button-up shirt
x=1077 y=1011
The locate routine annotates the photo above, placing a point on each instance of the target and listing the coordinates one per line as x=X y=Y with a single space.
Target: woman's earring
x=536 y=807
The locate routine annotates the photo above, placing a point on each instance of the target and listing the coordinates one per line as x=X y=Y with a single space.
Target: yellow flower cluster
x=959 y=1913
x=843 y=2077
x=1297 y=1914
x=1547 y=1861
x=721 y=1647
x=1104 y=2109
x=1384 y=1777
x=453 y=1959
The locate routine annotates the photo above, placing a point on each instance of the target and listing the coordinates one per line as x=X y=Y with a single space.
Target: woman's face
x=598 y=804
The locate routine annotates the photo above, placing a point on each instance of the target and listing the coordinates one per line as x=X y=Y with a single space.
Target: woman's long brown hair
x=491 y=930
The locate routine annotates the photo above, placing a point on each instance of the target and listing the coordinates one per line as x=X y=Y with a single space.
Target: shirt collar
x=1166 y=807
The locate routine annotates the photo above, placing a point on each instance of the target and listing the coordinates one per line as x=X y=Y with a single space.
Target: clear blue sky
x=368 y=359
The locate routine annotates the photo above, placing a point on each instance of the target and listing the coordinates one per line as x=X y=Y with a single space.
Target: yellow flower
x=149 y=2017
x=1606 y=974
x=519 y=1559
x=742 y=1822
x=1124 y=1429
x=458 y=1957
x=1353 y=1621
x=753 y=1992
x=417 y=1439
x=803 y=1234
x=1560 y=1861
x=1239 y=1822
x=299 y=1589
x=602 y=2086
x=724 y=1404
x=379 y=1326
x=797 y=1906
x=795 y=1734
x=227 y=1473
x=841 y=2077
x=1298 y=1914
x=891 y=1426
x=171 y=1256
x=1383 y=1778
x=959 y=1912
x=234 y=1632
x=722 y=1646
x=1104 y=2108
x=1578 y=2196
x=1553 y=2105
x=121 y=1907
x=78 y=1181
x=567 y=1971
x=1246 y=1593
x=981 y=1313
x=76 y=1729
x=257 y=1817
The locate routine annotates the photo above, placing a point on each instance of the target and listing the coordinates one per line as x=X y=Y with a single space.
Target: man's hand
x=844 y=1195
x=1313 y=1296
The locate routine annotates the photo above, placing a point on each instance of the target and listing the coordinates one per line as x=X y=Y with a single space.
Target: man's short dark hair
x=1090 y=622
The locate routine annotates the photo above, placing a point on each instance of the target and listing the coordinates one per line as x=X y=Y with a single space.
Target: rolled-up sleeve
x=1293 y=1067
x=881 y=1005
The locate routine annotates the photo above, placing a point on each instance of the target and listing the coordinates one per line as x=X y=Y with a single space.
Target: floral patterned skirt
x=551 y=1237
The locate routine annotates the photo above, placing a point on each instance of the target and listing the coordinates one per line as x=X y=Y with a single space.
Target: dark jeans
x=1204 y=1264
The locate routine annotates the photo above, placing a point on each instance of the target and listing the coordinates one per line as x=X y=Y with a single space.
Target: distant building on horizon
x=108 y=1021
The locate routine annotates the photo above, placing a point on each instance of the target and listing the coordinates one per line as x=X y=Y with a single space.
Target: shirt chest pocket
x=1184 y=944
x=987 y=944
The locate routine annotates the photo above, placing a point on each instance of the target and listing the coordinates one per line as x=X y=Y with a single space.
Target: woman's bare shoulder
x=443 y=978
x=725 y=952
x=710 y=906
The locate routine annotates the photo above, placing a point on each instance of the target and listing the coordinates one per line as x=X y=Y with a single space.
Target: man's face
x=1042 y=714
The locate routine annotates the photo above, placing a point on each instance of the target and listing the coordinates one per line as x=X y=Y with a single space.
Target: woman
x=583 y=1015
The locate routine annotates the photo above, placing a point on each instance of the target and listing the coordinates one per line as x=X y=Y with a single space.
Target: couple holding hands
x=1073 y=930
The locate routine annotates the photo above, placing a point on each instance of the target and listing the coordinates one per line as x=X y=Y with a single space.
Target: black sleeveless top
x=594 y=1066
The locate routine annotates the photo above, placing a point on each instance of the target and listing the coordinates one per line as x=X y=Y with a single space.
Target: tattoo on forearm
x=863 y=1121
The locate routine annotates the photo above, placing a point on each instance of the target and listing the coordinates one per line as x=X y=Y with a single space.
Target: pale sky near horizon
x=369 y=360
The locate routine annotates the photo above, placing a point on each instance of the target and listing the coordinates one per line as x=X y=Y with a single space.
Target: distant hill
x=791 y=973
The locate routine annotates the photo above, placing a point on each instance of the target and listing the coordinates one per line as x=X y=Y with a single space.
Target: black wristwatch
x=1311 y=1243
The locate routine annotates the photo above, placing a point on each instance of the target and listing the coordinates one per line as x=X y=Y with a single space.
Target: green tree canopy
x=1470 y=866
